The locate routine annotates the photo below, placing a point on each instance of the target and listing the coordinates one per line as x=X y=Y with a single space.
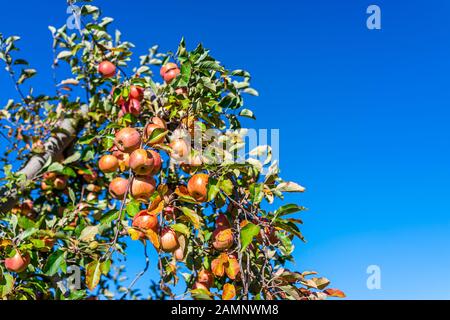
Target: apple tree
x=147 y=149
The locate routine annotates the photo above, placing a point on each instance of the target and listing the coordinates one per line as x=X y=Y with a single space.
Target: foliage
x=80 y=223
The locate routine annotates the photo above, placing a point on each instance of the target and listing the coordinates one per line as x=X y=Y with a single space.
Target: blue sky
x=363 y=118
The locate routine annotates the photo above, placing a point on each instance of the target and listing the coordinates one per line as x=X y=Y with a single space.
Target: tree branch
x=66 y=132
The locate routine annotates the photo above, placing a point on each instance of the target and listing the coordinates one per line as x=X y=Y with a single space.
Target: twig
x=140 y=274
x=108 y=252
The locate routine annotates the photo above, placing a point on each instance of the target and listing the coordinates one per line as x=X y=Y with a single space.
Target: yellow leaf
x=156 y=206
x=229 y=291
x=93 y=274
x=217 y=267
x=163 y=189
x=153 y=237
x=5 y=242
x=232 y=268
x=134 y=234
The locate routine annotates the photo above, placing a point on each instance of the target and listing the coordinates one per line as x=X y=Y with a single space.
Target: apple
x=17 y=263
x=90 y=177
x=179 y=254
x=118 y=187
x=107 y=69
x=169 y=213
x=169 y=240
x=60 y=183
x=222 y=221
x=198 y=186
x=159 y=122
x=168 y=66
x=205 y=277
x=145 y=221
x=142 y=188
x=91 y=196
x=180 y=149
x=181 y=91
x=108 y=163
x=142 y=162
x=171 y=74
x=132 y=106
x=26 y=207
x=136 y=92
x=50 y=176
x=124 y=158
x=157 y=162
x=93 y=188
x=127 y=140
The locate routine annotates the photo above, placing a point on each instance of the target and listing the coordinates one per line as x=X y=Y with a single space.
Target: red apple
x=107 y=69
x=127 y=140
x=198 y=186
x=17 y=263
x=169 y=240
x=108 y=163
x=118 y=187
x=142 y=188
x=142 y=162
x=136 y=92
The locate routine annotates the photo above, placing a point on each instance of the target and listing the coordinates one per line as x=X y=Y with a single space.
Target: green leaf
x=227 y=186
x=181 y=228
x=247 y=113
x=105 y=267
x=6 y=284
x=133 y=207
x=55 y=167
x=289 y=187
x=26 y=223
x=56 y=261
x=213 y=189
x=68 y=171
x=288 y=209
x=251 y=91
x=194 y=217
x=200 y=294
x=74 y=157
x=26 y=74
x=64 y=54
x=109 y=217
x=86 y=139
x=289 y=227
x=186 y=72
x=256 y=192
x=72 y=195
x=27 y=233
x=88 y=234
x=240 y=73
x=248 y=233
x=157 y=134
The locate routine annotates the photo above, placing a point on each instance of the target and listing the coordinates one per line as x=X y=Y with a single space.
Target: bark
x=66 y=133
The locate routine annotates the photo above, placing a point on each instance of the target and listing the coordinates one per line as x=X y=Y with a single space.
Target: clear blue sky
x=363 y=118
